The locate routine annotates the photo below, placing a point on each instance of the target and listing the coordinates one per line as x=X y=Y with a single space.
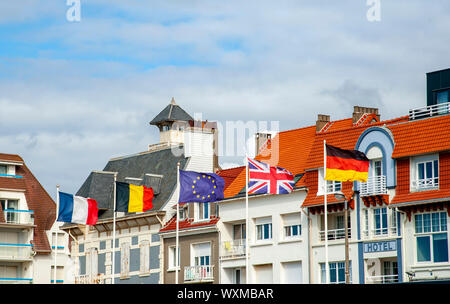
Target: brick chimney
x=322 y=120
x=358 y=112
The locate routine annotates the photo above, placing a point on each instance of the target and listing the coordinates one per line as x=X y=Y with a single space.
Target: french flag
x=77 y=209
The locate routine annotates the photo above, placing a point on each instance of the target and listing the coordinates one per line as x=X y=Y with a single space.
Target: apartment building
x=27 y=229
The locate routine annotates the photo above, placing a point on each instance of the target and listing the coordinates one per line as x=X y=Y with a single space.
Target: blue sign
x=380 y=246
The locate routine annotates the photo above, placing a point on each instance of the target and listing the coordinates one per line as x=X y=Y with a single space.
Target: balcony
x=375 y=185
x=89 y=279
x=198 y=274
x=232 y=249
x=426 y=184
x=335 y=234
x=18 y=217
x=429 y=111
x=383 y=279
x=15 y=252
x=15 y=281
x=380 y=232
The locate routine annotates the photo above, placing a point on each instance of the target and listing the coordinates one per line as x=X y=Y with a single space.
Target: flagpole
x=178 y=223
x=114 y=232
x=247 y=269
x=326 y=211
x=56 y=232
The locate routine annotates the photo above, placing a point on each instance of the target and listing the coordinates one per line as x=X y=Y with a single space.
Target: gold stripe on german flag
x=346 y=165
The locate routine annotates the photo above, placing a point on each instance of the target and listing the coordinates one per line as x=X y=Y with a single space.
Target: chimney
x=322 y=120
x=358 y=112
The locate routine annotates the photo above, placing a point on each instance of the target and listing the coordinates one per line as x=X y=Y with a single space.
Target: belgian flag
x=346 y=165
x=132 y=198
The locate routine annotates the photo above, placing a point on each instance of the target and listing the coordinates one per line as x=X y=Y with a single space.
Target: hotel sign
x=380 y=246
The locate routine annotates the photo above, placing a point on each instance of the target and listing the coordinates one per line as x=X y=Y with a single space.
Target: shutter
x=292 y=273
x=264 y=274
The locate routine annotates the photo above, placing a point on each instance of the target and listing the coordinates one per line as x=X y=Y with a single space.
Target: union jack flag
x=264 y=178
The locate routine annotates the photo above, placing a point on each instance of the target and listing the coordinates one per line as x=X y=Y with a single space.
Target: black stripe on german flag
x=346 y=165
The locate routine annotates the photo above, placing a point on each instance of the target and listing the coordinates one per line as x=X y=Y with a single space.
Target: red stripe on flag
x=92 y=212
x=334 y=162
x=148 y=198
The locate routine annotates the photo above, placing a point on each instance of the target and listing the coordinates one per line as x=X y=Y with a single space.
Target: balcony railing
x=90 y=279
x=232 y=249
x=199 y=274
x=375 y=185
x=426 y=184
x=383 y=279
x=15 y=281
x=429 y=111
x=380 y=232
x=19 y=217
x=335 y=234
x=15 y=251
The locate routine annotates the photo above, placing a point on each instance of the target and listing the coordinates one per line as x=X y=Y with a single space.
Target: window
x=337 y=272
x=292 y=231
x=203 y=211
x=264 y=231
x=431 y=237
x=239 y=232
x=144 y=250
x=333 y=186
x=3 y=169
x=427 y=175
x=237 y=276
x=182 y=213
x=172 y=257
x=202 y=254
x=380 y=221
x=8 y=207
x=442 y=97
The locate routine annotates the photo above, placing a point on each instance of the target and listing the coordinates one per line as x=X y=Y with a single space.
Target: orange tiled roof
x=187 y=224
x=421 y=136
x=10 y=157
x=230 y=174
x=421 y=196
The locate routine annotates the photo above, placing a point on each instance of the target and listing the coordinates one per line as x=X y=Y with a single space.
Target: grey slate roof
x=99 y=186
x=172 y=112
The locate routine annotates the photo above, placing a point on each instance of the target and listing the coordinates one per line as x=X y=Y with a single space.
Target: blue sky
x=75 y=94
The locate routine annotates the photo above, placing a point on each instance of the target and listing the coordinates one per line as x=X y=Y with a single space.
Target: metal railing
x=90 y=279
x=380 y=232
x=15 y=251
x=382 y=279
x=375 y=185
x=335 y=234
x=15 y=281
x=199 y=273
x=426 y=183
x=24 y=217
x=234 y=248
x=429 y=111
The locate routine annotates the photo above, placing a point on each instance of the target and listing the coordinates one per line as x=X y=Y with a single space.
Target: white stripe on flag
x=80 y=210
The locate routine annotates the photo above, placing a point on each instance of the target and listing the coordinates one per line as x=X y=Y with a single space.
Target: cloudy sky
x=75 y=94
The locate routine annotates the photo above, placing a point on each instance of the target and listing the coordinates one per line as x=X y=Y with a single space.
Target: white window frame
x=430 y=235
x=10 y=217
x=172 y=260
x=414 y=172
x=337 y=264
x=200 y=212
x=196 y=259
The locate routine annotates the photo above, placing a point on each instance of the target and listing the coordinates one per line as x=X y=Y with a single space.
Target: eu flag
x=196 y=187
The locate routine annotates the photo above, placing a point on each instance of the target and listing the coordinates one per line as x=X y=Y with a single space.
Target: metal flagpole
x=177 y=262
x=327 y=271
x=56 y=232
x=113 y=246
x=247 y=269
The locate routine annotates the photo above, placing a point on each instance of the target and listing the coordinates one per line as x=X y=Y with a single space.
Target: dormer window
x=425 y=173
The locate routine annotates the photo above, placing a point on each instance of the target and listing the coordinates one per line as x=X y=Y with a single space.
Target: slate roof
x=172 y=112
x=99 y=185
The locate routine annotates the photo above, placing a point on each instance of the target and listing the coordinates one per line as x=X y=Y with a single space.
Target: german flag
x=346 y=165
x=132 y=198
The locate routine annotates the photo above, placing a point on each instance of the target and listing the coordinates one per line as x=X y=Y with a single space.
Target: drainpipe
x=309 y=245
x=403 y=243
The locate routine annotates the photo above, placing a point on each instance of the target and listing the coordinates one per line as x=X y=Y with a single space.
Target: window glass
x=435 y=222
x=440 y=247
x=419 y=224
x=426 y=222
x=3 y=169
x=423 y=249
x=442 y=97
x=443 y=221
